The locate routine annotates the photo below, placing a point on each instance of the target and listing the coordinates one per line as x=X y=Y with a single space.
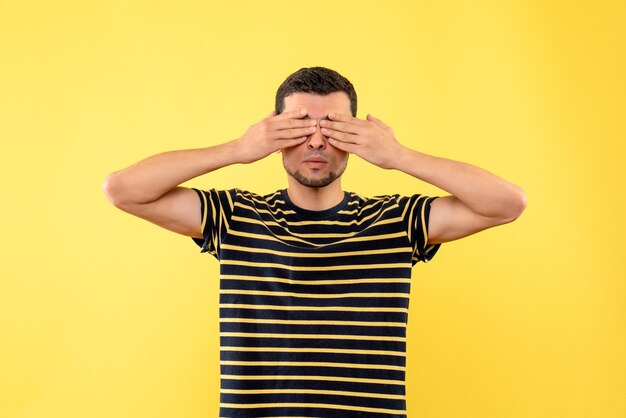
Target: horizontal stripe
x=314 y=295
x=315 y=378
x=314 y=336
x=314 y=282
x=315 y=350
x=313 y=405
x=258 y=250
x=312 y=392
x=313 y=322
x=282 y=238
x=276 y=197
x=266 y=199
x=313 y=364
x=314 y=308
x=280 y=222
x=259 y=210
x=316 y=268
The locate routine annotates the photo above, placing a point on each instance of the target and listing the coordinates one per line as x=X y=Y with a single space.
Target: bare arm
x=150 y=188
x=479 y=199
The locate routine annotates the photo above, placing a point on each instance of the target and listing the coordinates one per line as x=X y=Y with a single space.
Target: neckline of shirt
x=316 y=214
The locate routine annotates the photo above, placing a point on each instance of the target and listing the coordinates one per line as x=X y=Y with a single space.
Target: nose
x=317 y=141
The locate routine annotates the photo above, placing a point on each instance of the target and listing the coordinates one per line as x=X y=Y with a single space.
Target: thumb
x=271 y=114
x=375 y=120
x=378 y=122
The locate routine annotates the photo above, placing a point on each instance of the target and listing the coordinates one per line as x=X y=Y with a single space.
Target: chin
x=314 y=182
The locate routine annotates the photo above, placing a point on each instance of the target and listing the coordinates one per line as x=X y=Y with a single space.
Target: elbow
x=113 y=189
x=515 y=206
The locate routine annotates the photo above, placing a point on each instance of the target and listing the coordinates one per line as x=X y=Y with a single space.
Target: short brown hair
x=315 y=80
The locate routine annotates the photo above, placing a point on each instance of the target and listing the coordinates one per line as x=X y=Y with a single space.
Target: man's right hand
x=150 y=188
x=274 y=133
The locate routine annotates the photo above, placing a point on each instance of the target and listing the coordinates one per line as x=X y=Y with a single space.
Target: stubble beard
x=315 y=182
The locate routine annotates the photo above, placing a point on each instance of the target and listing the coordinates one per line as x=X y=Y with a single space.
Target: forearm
x=483 y=192
x=149 y=179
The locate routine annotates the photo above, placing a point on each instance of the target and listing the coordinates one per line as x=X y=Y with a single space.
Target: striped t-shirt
x=313 y=304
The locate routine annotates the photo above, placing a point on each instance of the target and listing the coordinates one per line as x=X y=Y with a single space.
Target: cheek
x=288 y=155
x=340 y=155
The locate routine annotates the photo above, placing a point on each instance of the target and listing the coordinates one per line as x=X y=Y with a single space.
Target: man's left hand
x=370 y=139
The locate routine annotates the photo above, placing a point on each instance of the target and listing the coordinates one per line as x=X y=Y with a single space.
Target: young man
x=314 y=281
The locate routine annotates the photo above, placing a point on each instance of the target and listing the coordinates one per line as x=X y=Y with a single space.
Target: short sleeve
x=216 y=208
x=416 y=212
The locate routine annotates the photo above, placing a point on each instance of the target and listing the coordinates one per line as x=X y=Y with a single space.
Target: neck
x=315 y=198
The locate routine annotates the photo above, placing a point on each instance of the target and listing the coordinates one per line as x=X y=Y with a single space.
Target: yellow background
x=105 y=315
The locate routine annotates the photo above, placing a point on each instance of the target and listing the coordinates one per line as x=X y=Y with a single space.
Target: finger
x=375 y=120
x=341 y=126
x=378 y=122
x=344 y=146
x=288 y=143
x=340 y=136
x=292 y=133
x=272 y=114
x=343 y=117
x=293 y=123
x=297 y=113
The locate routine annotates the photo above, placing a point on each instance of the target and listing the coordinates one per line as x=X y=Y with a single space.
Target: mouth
x=316 y=162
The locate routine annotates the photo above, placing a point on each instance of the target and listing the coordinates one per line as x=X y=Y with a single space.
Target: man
x=314 y=281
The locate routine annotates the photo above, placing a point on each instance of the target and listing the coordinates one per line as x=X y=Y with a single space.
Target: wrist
x=402 y=158
x=236 y=152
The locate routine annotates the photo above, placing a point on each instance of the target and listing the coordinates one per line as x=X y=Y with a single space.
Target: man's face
x=316 y=163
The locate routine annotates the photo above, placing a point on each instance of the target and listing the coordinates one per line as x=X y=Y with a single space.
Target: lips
x=315 y=160
x=315 y=157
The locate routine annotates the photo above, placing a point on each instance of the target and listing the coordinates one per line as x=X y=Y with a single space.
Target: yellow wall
x=104 y=315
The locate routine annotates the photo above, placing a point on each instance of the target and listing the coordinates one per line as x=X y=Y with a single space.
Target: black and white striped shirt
x=314 y=304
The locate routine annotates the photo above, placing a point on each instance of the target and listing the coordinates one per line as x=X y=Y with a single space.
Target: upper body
x=314 y=281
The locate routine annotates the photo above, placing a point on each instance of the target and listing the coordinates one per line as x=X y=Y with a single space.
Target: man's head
x=315 y=80
x=315 y=163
